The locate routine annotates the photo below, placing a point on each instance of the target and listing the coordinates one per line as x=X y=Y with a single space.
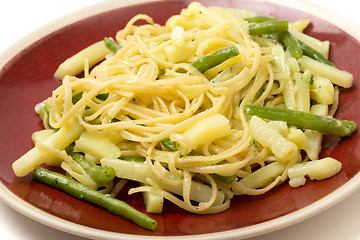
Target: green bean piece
x=274 y=36
x=259 y=19
x=45 y=110
x=210 y=61
x=260 y=92
x=193 y=153
x=312 y=53
x=111 y=44
x=303 y=120
x=96 y=172
x=76 y=98
x=171 y=145
x=81 y=191
x=292 y=44
x=102 y=96
x=133 y=159
x=268 y=27
x=225 y=179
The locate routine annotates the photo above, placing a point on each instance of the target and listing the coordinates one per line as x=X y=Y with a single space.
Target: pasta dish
x=217 y=102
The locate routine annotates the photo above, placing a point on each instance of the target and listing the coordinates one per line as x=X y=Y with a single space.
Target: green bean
x=102 y=96
x=171 y=145
x=82 y=191
x=274 y=36
x=133 y=159
x=193 y=153
x=260 y=92
x=96 y=172
x=44 y=111
x=210 y=61
x=292 y=44
x=303 y=120
x=111 y=44
x=76 y=98
x=225 y=179
x=259 y=19
x=268 y=27
x=312 y=53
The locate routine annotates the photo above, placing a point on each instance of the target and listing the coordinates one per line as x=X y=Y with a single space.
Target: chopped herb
x=311 y=79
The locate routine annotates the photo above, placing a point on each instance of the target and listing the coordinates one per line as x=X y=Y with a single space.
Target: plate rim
x=28 y=210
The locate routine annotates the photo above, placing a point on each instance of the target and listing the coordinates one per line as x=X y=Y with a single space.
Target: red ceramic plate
x=26 y=78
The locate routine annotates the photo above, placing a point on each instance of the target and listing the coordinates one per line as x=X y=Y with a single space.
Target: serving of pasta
x=217 y=102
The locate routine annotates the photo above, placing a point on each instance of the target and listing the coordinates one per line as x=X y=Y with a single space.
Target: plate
x=29 y=74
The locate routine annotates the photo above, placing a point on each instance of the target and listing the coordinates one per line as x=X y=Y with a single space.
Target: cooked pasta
x=187 y=130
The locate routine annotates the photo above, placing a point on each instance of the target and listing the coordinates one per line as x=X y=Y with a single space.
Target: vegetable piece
x=302 y=95
x=75 y=64
x=96 y=172
x=153 y=202
x=44 y=111
x=39 y=137
x=318 y=169
x=102 y=96
x=320 y=46
x=298 y=137
x=274 y=37
x=140 y=172
x=76 y=98
x=289 y=93
x=279 y=126
x=322 y=90
x=97 y=146
x=292 y=44
x=320 y=109
x=225 y=179
x=291 y=62
x=59 y=140
x=135 y=159
x=314 y=137
x=171 y=145
x=82 y=191
x=42 y=135
x=323 y=124
x=208 y=130
x=312 y=53
x=313 y=147
x=111 y=44
x=282 y=148
x=280 y=60
x=263 y=176
x=336 y=76
x=300 y=25
x=180 y=49
x=268 y=27
x=210 y=61
x=259 y=19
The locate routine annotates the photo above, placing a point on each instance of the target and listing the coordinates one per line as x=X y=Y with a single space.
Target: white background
x=20 y=17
